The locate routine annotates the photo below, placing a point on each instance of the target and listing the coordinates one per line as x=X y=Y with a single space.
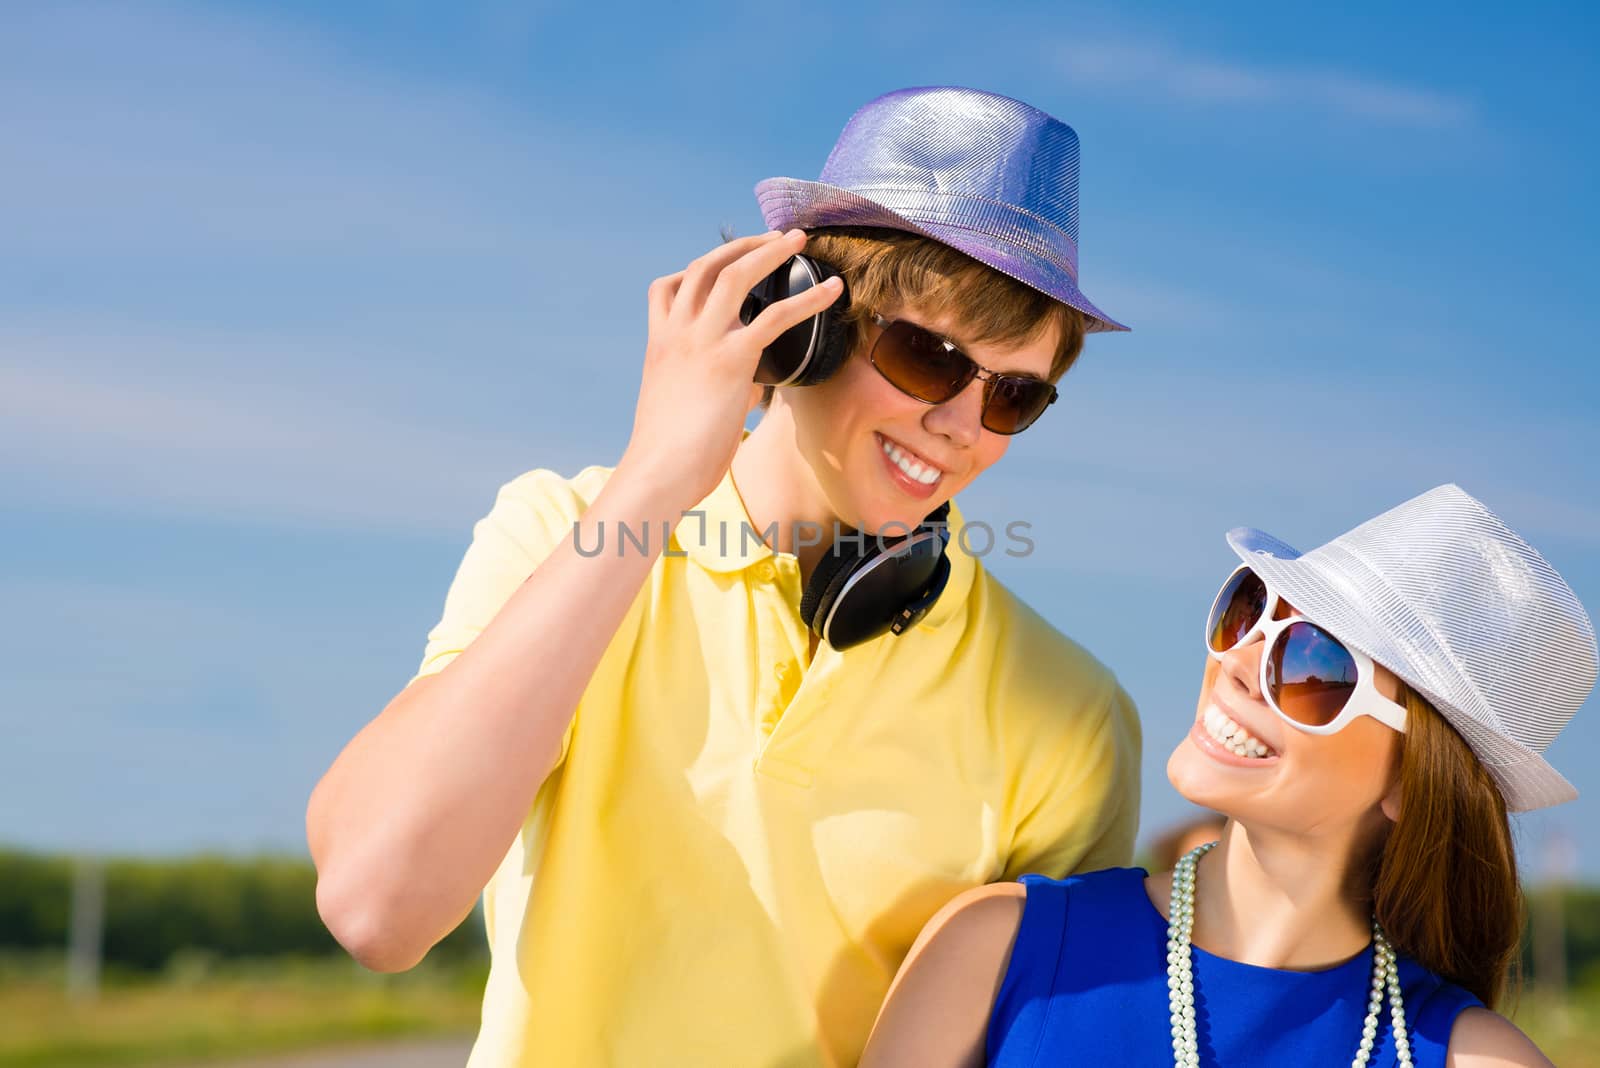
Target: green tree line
x=1580 y=922
x=266 y=906
x=227 y=906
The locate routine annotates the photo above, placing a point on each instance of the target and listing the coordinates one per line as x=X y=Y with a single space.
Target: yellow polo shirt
x=739 y=846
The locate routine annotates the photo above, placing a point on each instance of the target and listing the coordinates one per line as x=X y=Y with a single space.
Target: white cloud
x=1141 y=473
x=169 y=168
x=298 y=453
x=163 y=132
x=1191 y=77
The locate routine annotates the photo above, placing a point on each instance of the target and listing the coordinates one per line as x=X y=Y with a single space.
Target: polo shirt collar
x=963 y=571
x=719 y=536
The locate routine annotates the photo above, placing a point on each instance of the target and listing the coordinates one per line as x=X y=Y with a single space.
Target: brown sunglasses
x=921 y=364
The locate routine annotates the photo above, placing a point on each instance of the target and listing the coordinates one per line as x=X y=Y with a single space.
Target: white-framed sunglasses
x=1311 y=679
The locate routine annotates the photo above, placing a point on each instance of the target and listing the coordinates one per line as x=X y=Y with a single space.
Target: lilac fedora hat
x=984 y=174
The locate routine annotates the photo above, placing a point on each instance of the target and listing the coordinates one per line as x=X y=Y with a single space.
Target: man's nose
x=961 y=417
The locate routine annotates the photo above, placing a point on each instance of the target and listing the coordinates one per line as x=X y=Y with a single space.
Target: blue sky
x=287 y=291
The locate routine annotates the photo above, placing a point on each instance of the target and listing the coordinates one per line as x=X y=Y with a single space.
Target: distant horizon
x=1532 y=880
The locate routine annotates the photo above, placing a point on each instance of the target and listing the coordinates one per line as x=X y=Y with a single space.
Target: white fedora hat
x=1445 y=595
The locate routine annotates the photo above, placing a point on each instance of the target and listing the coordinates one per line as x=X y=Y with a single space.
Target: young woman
x=1369 y=713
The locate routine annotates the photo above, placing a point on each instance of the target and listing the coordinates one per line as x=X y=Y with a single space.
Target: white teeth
x=1231 y=736
x=913 y=468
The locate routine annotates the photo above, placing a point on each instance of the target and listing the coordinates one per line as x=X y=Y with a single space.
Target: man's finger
x=659 y=298
x=701 y=275
x=742 y=275
x=765 y=328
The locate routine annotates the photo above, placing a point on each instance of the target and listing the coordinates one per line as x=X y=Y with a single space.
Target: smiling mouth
x=910 y=464
x=1232 y=737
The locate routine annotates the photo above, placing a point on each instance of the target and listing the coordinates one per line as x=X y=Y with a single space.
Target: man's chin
x=895 y=525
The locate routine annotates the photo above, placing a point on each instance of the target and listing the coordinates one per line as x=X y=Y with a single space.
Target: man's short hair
x=884 y=268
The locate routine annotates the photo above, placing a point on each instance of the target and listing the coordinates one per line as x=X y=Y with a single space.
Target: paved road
x=434 y=1053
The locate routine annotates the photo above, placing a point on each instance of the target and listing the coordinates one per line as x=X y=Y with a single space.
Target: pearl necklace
x=1180 y=977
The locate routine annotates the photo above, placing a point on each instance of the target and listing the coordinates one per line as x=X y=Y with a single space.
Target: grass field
x=183 y=1018
x=197 y=1012
x=1568 y=1032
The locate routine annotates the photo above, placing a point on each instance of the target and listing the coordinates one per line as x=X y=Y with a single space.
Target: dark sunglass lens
x=1310 y=674
x=920 y=363
x=1236 y=610
x=1014 y=402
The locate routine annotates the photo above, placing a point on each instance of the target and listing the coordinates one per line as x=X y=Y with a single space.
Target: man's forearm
x=416 y=813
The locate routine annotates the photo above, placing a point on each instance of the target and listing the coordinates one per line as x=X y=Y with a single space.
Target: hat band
x=966 y=211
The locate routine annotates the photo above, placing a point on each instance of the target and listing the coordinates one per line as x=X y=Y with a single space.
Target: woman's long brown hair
x=1445 y=886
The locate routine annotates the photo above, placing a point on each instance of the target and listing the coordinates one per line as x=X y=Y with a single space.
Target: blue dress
x=1087 y=985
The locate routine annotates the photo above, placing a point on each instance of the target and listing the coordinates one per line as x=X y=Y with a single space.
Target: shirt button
x=765 y=571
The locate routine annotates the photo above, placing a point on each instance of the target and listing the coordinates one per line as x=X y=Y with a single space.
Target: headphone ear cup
x=833 y=334
x=830 y=576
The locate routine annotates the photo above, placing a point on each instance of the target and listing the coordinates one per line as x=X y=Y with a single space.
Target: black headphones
x=865 y=585
x=812 y=350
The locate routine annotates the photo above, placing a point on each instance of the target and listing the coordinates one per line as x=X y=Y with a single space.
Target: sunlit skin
x=1320 y=797
x=817 y=455
x=1197 y=836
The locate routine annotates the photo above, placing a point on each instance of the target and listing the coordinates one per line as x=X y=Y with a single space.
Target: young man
x=702 y=836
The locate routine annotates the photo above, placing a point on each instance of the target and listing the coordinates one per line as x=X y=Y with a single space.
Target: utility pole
x=86 y=932
x=1549 y=919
